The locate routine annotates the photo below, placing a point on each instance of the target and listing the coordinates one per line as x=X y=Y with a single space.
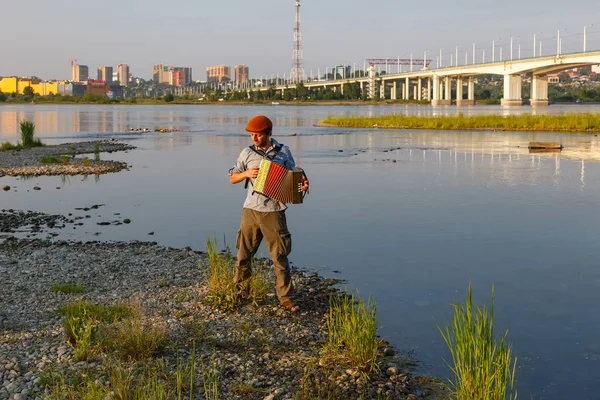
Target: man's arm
x=237 y=177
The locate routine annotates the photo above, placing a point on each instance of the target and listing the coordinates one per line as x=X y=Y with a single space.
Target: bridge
x=436 y=84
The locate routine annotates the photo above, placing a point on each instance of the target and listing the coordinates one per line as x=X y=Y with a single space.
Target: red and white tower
x=297 y=74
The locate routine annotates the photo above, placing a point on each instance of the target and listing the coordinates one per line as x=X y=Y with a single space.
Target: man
x=262 y=216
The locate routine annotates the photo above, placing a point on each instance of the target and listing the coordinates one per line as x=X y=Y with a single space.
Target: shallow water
x=409 y=217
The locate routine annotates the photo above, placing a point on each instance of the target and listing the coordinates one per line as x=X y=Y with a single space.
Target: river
x=408 y=217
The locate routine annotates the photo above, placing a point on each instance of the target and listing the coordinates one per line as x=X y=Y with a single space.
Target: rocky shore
x=28 y=162
x=259 y=351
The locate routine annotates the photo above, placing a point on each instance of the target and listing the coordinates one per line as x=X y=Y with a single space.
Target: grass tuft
x=102 y=313
x=220 y=273
x=352 y=328
x=28 y=135
x=67 y=287
x=96 y=151
x=81 y=321
x=260 y=284
x=50 y=160
x=136 y=339
x=483 y=366
x=8 y=146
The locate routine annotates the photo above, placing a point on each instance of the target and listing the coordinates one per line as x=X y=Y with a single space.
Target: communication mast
x=297 y=74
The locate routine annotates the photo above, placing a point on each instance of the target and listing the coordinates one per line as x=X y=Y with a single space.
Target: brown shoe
x=288 y=305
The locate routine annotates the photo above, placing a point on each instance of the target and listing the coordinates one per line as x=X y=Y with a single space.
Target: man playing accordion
x=261 y=215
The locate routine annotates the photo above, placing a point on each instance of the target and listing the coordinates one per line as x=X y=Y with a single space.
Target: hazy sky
x=39 y=37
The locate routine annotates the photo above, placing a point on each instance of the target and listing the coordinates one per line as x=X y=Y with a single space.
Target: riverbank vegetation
x=28 y=139
x=587 y=122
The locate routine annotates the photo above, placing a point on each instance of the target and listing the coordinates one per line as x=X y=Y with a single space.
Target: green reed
x=585 y=122
x=352 y=328
x=96 y=151
x=220 y=273
x=210 y=380
x=482 y=364
x=28 y=133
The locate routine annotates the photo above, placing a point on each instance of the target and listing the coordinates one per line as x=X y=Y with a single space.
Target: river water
x=408 y=217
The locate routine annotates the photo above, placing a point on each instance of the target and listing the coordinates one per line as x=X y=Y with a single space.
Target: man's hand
x=304 y=186
x=252 y=173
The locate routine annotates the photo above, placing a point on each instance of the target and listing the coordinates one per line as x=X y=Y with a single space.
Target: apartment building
x=79 y=73
x=160 y=73
x=123 y=74
x=241 y=74
x=218 y=73
x=105 y=74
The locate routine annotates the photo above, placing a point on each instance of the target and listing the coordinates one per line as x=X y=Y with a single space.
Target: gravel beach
x=264 y=347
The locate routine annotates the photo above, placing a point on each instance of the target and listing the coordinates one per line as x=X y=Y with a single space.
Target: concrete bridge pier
x=419 y=89
x=448 y=90
x=512 y=91
x=428 y=88
x=435 y=100
x=372 y=76
x=470 y=100
x=407 y=88
x=438 y=92
x=539 y=90
x=393 y=94
x=382 y=90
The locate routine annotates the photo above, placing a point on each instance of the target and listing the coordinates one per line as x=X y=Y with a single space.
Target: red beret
x=260 y=123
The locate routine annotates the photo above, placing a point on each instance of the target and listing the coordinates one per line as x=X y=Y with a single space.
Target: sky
x=40 y=37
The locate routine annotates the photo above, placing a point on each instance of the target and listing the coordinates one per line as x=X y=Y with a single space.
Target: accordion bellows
x=279 y=183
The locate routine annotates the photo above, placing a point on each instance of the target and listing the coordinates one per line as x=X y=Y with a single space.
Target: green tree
x=28 y=91
x=302 y=92
x=2 y=97
x=287 y=95
x=169 y=97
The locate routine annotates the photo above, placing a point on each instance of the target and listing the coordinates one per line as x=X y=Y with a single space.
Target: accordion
x=279 y=183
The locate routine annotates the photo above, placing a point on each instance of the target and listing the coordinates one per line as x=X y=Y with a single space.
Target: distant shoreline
x=233 y=103
x=160 y=102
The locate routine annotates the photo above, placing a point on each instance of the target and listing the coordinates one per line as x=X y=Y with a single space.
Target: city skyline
x=143 y=34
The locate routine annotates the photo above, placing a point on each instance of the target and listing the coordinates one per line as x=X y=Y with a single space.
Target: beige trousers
x=273 y=227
